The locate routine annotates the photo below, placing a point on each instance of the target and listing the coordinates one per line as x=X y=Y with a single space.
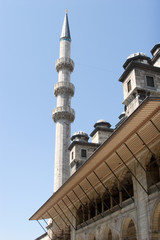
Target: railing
x=63 y=112
x=64 y=63
x=61 y=87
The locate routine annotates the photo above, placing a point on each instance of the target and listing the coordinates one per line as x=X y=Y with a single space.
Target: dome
x=102 y=123
x=139 y=56
x=80 y=136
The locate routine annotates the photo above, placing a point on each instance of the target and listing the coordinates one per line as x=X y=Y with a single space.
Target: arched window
x=85 y=212
x=92 y=210
x=127 y=189
x=79 y=215
x=106 y=201
x=115 y=196
x=153 y=172
x=99 y=205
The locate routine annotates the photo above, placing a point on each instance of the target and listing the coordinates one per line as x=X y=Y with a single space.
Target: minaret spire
x=63 y=114
x=65 y=34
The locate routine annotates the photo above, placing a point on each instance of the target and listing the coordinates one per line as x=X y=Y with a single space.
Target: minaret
x=63 y=114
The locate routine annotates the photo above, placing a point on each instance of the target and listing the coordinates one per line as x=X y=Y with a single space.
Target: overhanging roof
x=138 y=65
x=145 y=121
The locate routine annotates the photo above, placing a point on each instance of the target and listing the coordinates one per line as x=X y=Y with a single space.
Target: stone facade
x=114 y=190
x=135 y=218
x=133 y=201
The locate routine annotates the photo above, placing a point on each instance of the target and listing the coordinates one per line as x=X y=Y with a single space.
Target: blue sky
x=104 y=33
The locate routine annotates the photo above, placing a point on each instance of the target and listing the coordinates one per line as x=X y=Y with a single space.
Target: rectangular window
x=129 y=86
x=150 y=81
x=83 y=153
x=72 y=155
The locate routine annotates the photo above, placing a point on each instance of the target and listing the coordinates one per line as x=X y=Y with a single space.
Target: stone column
x=111 y=202
x=102 y=204
x=141 y=199
x=120 y=194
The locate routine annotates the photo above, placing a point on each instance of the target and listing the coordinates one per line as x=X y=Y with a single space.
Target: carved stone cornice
x=63 y=87
x=63 y=113
x=64 y=63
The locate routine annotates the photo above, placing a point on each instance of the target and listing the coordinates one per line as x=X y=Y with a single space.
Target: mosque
x=109 y=188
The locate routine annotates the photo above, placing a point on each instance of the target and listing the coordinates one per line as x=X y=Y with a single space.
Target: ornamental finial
x=66 y=10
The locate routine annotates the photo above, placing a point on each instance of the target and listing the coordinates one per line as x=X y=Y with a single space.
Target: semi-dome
x=139 y=56
x=80 y=136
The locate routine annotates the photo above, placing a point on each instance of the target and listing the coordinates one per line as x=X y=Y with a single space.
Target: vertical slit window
x=129 y=87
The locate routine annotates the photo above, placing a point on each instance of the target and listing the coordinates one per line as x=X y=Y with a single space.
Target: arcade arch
x=129 y=230
x=107 y=234
x=91 y=237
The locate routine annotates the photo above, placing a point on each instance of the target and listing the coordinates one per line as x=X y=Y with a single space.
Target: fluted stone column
x=63 y=114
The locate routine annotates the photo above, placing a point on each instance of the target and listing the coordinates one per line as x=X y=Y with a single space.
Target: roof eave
x=82 y=172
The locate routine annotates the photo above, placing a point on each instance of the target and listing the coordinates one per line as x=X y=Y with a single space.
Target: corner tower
x=141 y=78
x=63 y=114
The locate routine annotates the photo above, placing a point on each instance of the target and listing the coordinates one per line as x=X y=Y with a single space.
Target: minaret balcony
x=64 y=63
x=63 y=112
x=63 y=87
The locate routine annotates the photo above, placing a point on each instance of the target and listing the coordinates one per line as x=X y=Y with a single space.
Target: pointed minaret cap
x=65 y=34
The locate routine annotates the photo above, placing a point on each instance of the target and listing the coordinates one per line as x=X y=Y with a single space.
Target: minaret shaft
x=63 y=101
x=65 y=47
x=63 y=114
x=64 y=75
x=63 y=135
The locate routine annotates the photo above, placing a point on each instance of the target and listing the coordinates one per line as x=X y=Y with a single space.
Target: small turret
x=137 y=57
x=80 y=150
x=101 y=132
x=140 y=79
x=80 y=136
